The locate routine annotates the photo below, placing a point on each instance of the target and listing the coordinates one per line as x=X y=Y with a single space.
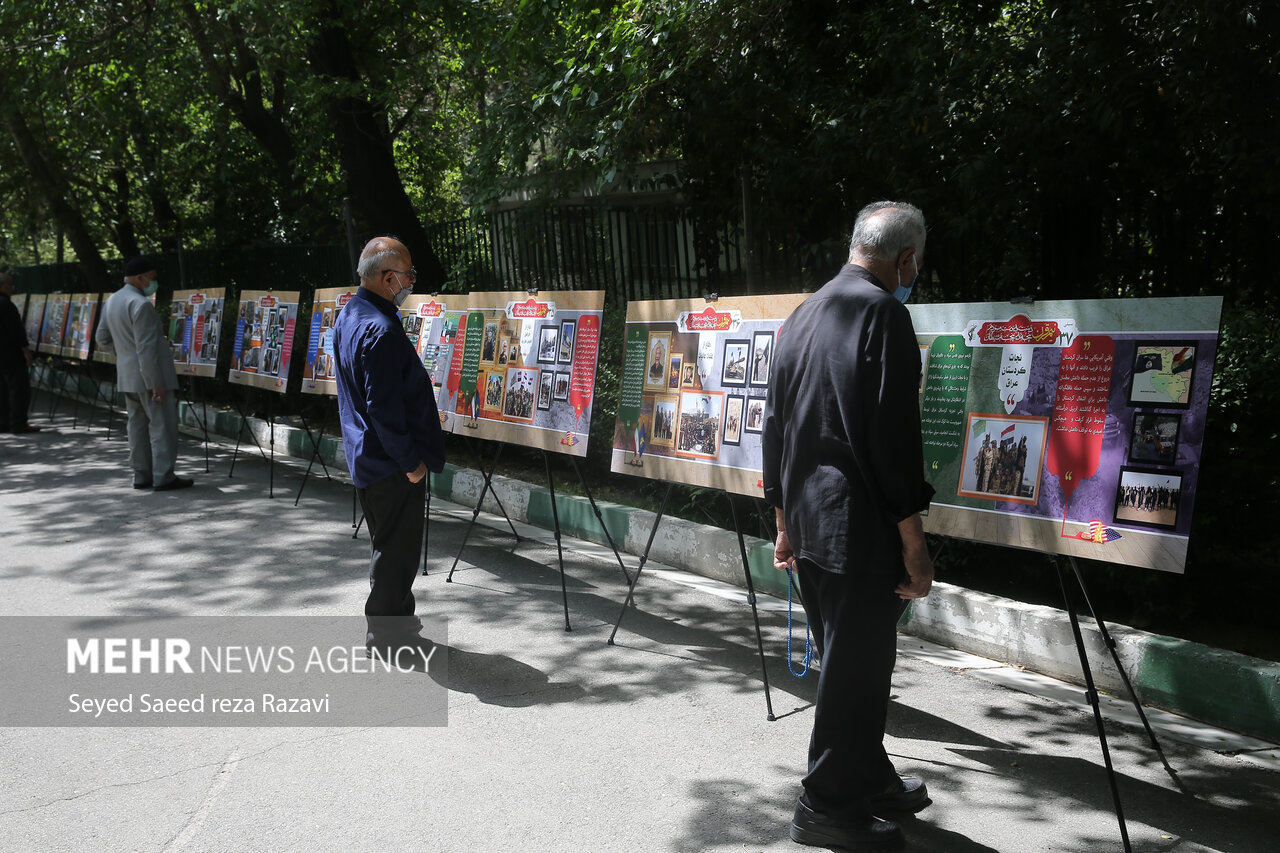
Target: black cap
x=138 y=266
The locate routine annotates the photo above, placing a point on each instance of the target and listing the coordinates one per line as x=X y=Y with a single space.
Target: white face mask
x=400 y=297
x=151 y=288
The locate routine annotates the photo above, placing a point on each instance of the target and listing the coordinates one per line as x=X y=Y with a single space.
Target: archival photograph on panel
x=664 y=420
x=761 y=358
x=560 y=391
x=567 y=329
x=733 y=370
x=658 y=362
x=698 y=433
x=545 y=382
x=1149 y=497
x=548 y=344
x=522 y=385
x=1154 y=438
x=1003 y=456
x=733 y=410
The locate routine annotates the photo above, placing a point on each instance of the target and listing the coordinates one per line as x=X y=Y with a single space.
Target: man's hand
x=783 y=557
x=416 y=475
x=919 y=578
x=157 y=395
x=915 y=556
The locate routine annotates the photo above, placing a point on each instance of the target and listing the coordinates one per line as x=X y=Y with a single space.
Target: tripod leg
x=315 y=451
x=1124 y=676
x=1091 y=695
x=488 y=483
x=755 y=615
x=271 y=466
x=555 y=517
x=631 y=588
x=475 y=513
x=600 y=518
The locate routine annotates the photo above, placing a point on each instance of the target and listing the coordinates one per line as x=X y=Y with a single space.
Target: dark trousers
x=853 y=618
x=394 y=511
x=15 y=397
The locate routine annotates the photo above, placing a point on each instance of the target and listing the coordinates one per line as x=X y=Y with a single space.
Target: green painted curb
x=576 y=516
x=1233 y=690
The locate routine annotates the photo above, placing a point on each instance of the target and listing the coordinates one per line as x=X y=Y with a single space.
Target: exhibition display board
x=694 y=378
x=523 y=368
x=1072 y=428
x=82 y=310
x=319 y=373
x=34 y=318
x=195 y=330
x=432 y=328
x=1068 y=427
x=55 y=322
x=265 y=324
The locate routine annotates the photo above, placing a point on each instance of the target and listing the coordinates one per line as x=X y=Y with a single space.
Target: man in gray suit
x=146 y=376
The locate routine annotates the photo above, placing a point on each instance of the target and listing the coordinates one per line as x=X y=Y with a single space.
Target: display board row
x=1063 y=427
x=1066 y=427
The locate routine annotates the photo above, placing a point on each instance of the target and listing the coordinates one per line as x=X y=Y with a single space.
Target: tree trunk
x=48 y=181
x=296 y=202
x=364 y=150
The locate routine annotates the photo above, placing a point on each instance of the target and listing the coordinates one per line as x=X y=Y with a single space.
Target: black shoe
x=818 y=829
x=907 y=795
x=145 y=485
x=176 y=483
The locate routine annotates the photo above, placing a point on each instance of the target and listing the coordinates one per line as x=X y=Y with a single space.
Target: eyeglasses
x=411 y=273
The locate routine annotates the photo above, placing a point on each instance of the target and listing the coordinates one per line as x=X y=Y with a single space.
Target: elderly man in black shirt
x=844 y=469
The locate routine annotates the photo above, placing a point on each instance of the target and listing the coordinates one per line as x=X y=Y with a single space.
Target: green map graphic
x=1162 y=375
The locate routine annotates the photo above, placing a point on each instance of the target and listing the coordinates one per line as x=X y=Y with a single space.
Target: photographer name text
x=150 y=703
x=175 y=656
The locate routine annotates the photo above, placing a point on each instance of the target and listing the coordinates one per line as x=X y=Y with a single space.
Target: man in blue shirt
x=390 y=432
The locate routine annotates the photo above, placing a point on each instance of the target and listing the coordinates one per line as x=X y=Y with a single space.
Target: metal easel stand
x=51 y=369
x=315 y=454
x=599 y=517
x=1091 y=692
x=203 y=420
x=487 y=487
x=555 y=516
x=244 y=420
x=109 y=402
x=751 y=592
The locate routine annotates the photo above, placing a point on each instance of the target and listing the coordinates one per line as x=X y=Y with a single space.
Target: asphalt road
x=556 y=741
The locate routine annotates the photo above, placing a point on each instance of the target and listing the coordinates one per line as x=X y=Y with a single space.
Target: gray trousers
x=153 y=437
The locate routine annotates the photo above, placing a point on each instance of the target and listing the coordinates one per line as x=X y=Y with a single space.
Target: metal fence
x=632 y=252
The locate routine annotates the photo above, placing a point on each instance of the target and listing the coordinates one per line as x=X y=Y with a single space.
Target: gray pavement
x=556 y=741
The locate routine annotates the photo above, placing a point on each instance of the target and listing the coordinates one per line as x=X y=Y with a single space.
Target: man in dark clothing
x=843 y=467
x=15 y=362
x=391 y=434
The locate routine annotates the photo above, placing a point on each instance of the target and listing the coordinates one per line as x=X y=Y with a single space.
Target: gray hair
x=373 y=263
x=886 y=229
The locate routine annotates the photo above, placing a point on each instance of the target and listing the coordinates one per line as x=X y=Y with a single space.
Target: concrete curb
x=1224 y=688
